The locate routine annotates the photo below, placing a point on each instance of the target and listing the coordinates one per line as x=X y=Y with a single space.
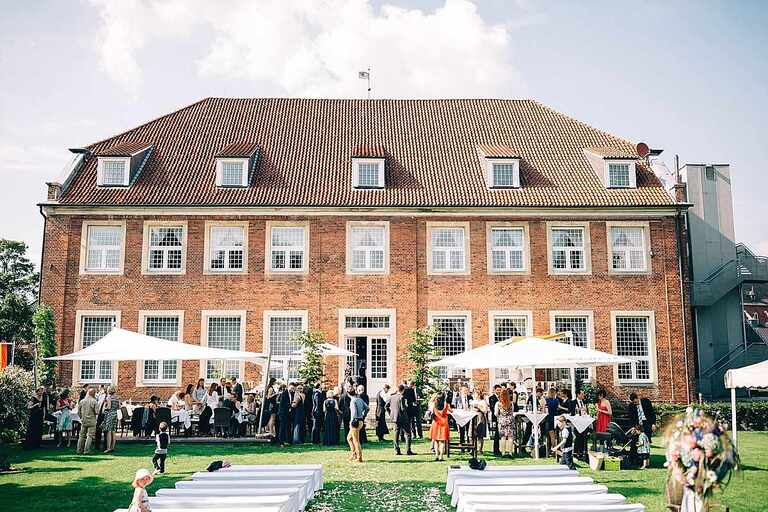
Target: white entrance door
x=378 y=367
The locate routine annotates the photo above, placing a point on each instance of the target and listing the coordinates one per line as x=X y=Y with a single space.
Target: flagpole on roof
x=366 y=75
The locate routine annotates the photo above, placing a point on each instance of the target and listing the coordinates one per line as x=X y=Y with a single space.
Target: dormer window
x=367 y=173
x=620 y=174
x=232 y=172
x=501 y=165
x=504 y=174
x=113 y=172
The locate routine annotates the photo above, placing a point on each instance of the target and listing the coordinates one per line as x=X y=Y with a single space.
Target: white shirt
x=212 y=400
x=640 y=414
x=176 y=403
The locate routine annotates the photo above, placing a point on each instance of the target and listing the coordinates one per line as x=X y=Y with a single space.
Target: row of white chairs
x=267 y=488
x=532 y=488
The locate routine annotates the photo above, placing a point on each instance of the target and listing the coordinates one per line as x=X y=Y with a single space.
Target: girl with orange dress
x=604 y=412
x=439 y=431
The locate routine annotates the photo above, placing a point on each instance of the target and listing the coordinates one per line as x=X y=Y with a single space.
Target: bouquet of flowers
x=700 y=455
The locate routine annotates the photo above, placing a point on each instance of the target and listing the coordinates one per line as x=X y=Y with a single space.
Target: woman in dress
x=553 y=403
x=331 y=423
x=269 y=418
x=505 y=417
x=210 y=402
x=35 y=426
x=439 y=431
x=110 y=407
x=604 y=412
x=189 y=401
x=64 y=421
x=198 y=395
x=382 y=398
x=480 y=405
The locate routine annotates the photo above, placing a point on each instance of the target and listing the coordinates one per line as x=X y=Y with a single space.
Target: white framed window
x=448 y=247
x=505 y=325
x=628 y=247
x=581 y=324
x=368 y=173
x=232 y=172
x=90 y=327
x=367 y=247
x=287 y=247
x=502 y=172
x=569 y=251
x=453 y=337
x=113 y=171
x=102 y=247
x=281 y=331
x=634 y=338
x=166 y=325
x=620 y=174
x=508 y=251
x=226 y=247
x=379 y=328
x=165 y=247
x=223 y=329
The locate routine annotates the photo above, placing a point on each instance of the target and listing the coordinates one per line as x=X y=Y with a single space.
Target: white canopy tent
x=122 y=345
x=754 y=376
x=533 y=353
x=328 y=350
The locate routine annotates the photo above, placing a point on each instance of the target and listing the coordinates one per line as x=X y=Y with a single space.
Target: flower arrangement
x=700 y=455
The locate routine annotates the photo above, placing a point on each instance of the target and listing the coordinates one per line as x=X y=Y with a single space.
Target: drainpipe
x=680 y=245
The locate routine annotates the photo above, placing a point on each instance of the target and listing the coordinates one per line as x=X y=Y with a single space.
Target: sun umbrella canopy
x=530 y=352
x=753 y=376
x=328 y=349
x=122 y=345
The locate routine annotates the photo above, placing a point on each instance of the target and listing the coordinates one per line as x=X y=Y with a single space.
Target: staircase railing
x=745 y=267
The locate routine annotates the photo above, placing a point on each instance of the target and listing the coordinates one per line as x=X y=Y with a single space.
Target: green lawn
x=61 y=481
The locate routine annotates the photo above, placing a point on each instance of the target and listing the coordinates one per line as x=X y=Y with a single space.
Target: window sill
x=570 y=272
x=637 y=384
x=101 y=273
x=629 y=273
x=157 y=383
x=210 y=272
x=521 y=272
x=448 y=273
x=148 y=272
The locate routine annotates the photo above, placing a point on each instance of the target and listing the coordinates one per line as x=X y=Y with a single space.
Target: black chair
x=125 y=420
x=221 y=418
x=137 y=421
x=163 y=414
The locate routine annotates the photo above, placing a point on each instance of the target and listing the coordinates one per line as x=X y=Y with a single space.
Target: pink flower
x=697 y=454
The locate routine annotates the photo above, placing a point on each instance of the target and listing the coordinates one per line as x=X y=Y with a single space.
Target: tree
x=419 y=353
x=311 y=369
x=45 y=336
x=18 y=292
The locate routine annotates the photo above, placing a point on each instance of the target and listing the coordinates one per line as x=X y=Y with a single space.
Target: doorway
x=370 y=335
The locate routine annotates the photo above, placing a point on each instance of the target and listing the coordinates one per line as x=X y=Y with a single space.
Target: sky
x=687 y=77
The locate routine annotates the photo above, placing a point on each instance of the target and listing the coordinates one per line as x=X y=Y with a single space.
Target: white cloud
x=762 y=248
x=316 y=47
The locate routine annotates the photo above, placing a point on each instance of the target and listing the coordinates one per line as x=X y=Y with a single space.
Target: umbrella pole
x=733 y=417
x=535 y=416
x=265 y=379
x=573 y=383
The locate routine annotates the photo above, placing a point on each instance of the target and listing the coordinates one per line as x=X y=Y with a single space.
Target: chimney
x=54 y=190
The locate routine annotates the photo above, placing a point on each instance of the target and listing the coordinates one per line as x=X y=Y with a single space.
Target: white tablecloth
x=514 y=490
x=463 y=416
x=72 y=414
x=506 y=507
x=532 y=417
x=522 y=478
x=550 y=498
x=580 y=422
x=182 y=416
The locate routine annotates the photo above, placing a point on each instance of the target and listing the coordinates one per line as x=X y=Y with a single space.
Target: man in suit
x=409 y=395
x=237 y=389
x=283 y=416
x=580 y=409
x=492 y=401
x=318 y=398
x=461 y=401
x=344 y=402
x=641 y=412
x=87 y=409
x=398 y=412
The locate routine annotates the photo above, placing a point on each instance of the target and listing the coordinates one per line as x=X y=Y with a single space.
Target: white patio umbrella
x=753 y=376
x=532 y=352
x=123 y=345
x=328 y=350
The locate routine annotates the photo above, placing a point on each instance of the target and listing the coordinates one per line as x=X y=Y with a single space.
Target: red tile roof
x=369 y=151
x=127 y=148
x=498 y=151
x=612 y=153
x=239 y=150
x=306 y=146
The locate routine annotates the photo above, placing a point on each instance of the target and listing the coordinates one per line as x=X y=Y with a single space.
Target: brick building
x=238 y=222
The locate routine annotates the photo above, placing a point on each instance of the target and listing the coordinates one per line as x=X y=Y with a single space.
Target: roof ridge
x=319 y=98
x=142 y=125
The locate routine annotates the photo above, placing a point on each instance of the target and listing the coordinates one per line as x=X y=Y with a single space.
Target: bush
x=16 y=388
x=750 y=415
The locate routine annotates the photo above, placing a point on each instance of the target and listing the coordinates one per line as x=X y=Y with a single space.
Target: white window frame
x=489 y=227
x=145 y=270
x=103 y=160
x=585 y=226
x=84 y=247
x=589 y=315
x=632 y=173
x=78 y=345
x=431 y=226
x=213 y=313
x=379 y=162
x=489 y=175
x=389 y=332
x=351 y=225
x=652 y=360
x=208 y=249
x=220 y=172
x=492 y=316
x=646 y=231
x=281 y=313
x=141 y=381
x=268 y=247
x=467 y=314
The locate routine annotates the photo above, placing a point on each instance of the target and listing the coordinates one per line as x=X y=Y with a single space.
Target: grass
x=60 y=480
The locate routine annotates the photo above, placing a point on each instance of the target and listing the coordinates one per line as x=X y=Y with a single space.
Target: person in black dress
x=382 y=398
x=492 y=400
x=284 y=436
x=331 y=424
x=344 y=402
x=36 y=415
x=318 y=398
x=298 y=415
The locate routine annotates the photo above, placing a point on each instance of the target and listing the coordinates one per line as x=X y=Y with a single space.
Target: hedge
x=752 y=415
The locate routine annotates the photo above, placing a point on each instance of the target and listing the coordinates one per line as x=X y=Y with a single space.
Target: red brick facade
x=407 y=288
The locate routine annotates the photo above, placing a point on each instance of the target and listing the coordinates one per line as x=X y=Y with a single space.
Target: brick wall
x=407 y=288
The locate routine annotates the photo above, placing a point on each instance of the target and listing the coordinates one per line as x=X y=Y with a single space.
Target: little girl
x=140 y=502
x=643 y=448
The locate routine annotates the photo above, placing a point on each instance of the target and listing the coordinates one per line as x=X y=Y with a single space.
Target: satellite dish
x=643 y=150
